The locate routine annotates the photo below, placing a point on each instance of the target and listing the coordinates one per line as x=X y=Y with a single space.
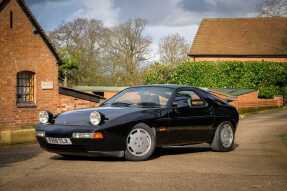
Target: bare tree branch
x=173 y=49
x=271 y=8
x=103 y=53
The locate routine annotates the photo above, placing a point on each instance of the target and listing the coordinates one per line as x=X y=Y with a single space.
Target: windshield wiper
x=148 y=104
x=121 y=103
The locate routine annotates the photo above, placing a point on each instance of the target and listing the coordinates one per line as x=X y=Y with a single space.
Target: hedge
x=270 y=78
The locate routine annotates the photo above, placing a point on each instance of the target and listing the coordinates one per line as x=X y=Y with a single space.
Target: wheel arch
x=139 y=124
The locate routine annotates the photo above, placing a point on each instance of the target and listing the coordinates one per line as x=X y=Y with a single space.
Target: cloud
x=35 y=2
x=156 y=12
x=184 y=12
x=51 y=13
x=99 y=9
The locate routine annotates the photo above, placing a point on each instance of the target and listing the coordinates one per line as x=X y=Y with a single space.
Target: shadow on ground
x=17 y=153
x=175 y=150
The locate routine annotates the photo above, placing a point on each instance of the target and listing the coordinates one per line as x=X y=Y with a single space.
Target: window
x=25 y=87
x=193 y=99
x=11 y=19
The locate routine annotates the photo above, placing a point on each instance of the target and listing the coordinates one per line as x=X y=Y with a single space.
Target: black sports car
x=137 y=120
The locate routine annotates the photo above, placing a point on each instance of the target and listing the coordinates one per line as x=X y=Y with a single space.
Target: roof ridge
x=3 y=4
x=242 y=18
x=35 y=23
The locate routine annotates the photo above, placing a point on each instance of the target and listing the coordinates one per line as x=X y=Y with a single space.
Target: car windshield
x=141 y=97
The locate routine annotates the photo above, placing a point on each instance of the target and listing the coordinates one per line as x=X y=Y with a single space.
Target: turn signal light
x=163 y=129
x=98 y=135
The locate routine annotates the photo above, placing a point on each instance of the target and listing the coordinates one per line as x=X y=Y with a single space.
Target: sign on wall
x=47 y=85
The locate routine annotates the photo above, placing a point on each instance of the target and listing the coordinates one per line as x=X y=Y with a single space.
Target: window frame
x=205 y=103
x=25 y=81
x=109 y=101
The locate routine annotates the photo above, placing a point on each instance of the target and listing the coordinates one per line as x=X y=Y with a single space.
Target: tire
x=221 y=144
x=140 y=143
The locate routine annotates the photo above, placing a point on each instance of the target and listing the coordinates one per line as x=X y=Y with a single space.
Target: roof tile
x=241 y=36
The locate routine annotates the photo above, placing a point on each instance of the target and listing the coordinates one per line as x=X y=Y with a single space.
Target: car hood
x=111 y=116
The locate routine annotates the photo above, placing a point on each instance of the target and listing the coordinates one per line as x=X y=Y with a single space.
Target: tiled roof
x=265 y=36
x=233 y=91
x=79 y=94
x=98 y=88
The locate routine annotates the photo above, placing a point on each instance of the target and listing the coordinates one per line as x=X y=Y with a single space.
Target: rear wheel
x=140 y=143
x=223 y=138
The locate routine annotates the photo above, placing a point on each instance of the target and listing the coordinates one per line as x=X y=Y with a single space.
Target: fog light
x=82 y=135
x=96 y=135
x=40 y=133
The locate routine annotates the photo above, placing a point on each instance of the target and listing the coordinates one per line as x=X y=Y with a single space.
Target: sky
x=164 y=17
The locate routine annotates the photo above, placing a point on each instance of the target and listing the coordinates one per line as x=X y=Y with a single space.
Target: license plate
x=59 y=141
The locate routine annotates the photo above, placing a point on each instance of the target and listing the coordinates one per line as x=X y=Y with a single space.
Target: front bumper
x=112 y=142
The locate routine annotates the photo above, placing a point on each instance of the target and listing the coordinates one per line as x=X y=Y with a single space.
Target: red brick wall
x=251 y=100
x=22 y=50
x=68 y=103
x=241 y=104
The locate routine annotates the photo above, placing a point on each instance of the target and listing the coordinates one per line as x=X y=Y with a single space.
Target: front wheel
x=140 y=143
x=223 y=139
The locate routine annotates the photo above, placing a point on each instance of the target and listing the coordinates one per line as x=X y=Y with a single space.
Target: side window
x=193 y=99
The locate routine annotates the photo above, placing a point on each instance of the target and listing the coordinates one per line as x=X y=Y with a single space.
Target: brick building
x=241 y=39
x=29 y=71
x=28 y=67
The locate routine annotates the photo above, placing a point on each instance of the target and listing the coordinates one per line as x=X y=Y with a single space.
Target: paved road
x=258 y=163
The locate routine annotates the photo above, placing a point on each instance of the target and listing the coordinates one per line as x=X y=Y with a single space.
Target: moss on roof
x=234 y=91
x=98 y=88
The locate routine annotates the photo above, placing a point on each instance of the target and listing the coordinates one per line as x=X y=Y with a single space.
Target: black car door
x=191 y=118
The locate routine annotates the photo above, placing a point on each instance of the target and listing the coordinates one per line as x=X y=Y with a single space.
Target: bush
x=158 y=73
x=267 y=77
x=284 y=92
x=268 y=91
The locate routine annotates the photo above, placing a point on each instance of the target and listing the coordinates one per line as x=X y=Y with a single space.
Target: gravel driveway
x=258 y=163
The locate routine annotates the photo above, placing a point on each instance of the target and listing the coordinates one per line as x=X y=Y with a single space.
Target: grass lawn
x=284 y=138
x=259 y=109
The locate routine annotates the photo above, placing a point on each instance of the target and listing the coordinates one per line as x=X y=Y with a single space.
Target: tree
x=273 y=8
x=81 y=39
x=70 y=63
x=173 y=49
x=130 y=48
x=109 y=56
